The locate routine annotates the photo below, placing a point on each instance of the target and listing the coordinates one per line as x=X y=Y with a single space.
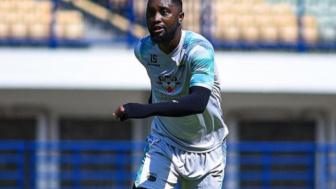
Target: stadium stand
x=28 y=21
x=69 y=25
x=254 y=21
x=118 y=15
x=193 y=21
x=274 y=21
x=273 y=24
x=25 y=19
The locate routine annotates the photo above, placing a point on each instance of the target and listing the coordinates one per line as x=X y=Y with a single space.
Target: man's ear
x=181 y=17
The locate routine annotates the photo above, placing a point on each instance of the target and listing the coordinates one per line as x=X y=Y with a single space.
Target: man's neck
x=169 y=46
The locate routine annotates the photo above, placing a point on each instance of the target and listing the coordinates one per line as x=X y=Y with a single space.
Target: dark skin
x=164 y=20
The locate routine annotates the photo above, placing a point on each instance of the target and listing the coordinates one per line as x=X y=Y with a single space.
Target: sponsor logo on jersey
x=170 y=97
x=168 y=82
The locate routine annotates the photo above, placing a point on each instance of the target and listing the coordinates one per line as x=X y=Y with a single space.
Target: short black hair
x=178 y=3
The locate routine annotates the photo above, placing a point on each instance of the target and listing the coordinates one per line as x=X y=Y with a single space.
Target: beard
x=167 y=35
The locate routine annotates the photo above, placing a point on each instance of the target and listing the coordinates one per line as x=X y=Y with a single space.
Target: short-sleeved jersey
x=192 y=63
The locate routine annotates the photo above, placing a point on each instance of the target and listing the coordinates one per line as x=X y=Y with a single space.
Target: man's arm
x=150 y=101
x=193 y=103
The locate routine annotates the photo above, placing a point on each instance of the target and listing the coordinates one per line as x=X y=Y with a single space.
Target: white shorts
x=164 y=165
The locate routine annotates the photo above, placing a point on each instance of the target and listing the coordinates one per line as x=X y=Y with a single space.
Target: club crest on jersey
x=168 y=82
x=181 y=65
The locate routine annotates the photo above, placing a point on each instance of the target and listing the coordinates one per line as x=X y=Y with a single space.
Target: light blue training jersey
x=192 y=63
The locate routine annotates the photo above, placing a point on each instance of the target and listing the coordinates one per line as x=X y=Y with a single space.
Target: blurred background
x=66 y=65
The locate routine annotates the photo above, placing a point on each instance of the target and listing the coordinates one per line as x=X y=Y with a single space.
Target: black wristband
x=135 y=110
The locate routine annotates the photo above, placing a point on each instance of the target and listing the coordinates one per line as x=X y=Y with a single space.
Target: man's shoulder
x=146 y=41
x=194 y=39
x=194 y=35
x=143 y=45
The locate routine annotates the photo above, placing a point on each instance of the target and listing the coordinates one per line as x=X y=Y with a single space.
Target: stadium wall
x=70 y=94
x=93 y=82
x=118 y=69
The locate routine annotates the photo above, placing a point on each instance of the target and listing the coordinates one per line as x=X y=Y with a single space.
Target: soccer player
x=187 y=139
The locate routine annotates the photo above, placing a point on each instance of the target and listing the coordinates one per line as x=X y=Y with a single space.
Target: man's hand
x=119 y=112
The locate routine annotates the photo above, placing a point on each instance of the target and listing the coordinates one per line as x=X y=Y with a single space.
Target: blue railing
x=85 y=164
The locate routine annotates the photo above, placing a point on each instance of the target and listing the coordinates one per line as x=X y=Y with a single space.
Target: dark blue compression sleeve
x=193 y=103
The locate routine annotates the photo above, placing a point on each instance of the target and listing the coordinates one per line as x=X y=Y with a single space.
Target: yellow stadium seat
x=231 y=33
x=241 y=9
x=6 y=6
x=139 y=7
x=308 y=21
x=223 y=8
x=217 y=32
x=310 y=34
x=11 y=17
x=19 y=30
x=250 y=33
x=245 y=20
x=39 y=30
x=269 y=34
x=264 y=20
x=69 y=25
x=4 y=30
x=44 y=7
x=261 y=9
x=31 y=17
x=26 y=5
x=59 y=30
x=227 y=19
x=289 y=34
x=74 y=31
x=285 y=20
x=282 y=9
